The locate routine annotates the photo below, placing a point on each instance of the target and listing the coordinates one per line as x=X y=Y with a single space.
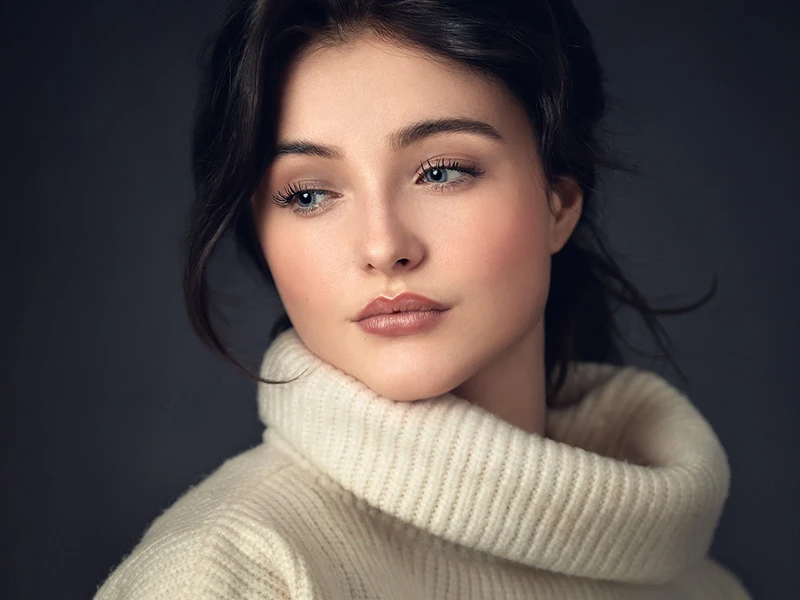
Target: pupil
x=437 y=174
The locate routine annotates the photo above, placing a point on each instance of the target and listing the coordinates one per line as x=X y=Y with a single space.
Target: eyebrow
x=398 y=140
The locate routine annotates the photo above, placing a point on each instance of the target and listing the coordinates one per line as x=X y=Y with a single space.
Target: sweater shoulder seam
x=215 y=526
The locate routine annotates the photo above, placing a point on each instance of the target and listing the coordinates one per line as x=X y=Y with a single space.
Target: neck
x=512 y=385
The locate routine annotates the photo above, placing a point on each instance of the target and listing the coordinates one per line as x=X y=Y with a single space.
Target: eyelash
x=286 y=197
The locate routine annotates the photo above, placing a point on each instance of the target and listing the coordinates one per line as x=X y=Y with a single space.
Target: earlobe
x=566 y=201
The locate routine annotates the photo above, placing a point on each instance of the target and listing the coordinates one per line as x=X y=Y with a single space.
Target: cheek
x=303 y=268
x=506 y=254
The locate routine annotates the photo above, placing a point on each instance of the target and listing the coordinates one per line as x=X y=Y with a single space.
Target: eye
x=300 y=196
x=305 y=198
x=439 y=173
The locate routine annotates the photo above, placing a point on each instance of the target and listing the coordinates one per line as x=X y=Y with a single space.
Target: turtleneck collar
x=628 y=483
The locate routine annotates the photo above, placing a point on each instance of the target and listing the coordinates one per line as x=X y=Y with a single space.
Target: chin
x=405 y=372
x=407 y=386
x=403 y=395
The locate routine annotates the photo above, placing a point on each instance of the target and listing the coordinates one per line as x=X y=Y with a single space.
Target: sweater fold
x=627 y=484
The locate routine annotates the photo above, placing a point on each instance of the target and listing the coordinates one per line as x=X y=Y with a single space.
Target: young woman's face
x=477 y=239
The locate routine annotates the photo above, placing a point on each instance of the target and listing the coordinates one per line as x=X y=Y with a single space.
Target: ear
x=566 y=205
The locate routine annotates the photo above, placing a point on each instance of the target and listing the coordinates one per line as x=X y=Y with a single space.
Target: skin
x=482 y=248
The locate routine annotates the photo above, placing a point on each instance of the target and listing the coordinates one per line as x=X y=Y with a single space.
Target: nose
x=389 y=242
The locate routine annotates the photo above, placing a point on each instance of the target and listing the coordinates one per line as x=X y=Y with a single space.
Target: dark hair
x=540 y=50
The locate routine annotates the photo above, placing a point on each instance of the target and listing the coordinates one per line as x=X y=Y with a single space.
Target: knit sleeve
x=210 y=544
x=710 y=580
x=201 y=565
x=721 y=583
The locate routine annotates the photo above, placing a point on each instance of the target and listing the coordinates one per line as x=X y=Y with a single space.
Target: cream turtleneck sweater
x=355 y=496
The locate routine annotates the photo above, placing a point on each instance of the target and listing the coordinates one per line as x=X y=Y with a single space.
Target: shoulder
x=223 y=538
x=710 y=580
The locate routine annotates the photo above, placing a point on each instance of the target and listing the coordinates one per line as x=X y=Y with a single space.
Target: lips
x=405 y=302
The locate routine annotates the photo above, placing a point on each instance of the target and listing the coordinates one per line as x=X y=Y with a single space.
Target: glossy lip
x=402 y=323
x=404 y=302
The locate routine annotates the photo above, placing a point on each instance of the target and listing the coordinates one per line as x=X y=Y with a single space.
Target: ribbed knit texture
x=355 y=496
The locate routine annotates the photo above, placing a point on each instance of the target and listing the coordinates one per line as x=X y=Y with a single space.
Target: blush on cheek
x=288 y=269
x=304 y=274
x=509 y=244
x=512 y=261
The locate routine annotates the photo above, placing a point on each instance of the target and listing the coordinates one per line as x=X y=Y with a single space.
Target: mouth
x=401 y=322
x=406 y=302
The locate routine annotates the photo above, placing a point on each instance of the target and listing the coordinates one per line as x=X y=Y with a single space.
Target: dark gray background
x=111 y=406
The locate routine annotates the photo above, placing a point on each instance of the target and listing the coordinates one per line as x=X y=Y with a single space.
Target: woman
x=447 y=411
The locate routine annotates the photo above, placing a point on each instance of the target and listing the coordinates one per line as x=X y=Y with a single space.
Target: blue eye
x=296 y=195
x=439 y=169
x=307 y=195
x=440 y=175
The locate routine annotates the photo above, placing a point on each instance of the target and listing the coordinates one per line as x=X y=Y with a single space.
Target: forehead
x=368 y=87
